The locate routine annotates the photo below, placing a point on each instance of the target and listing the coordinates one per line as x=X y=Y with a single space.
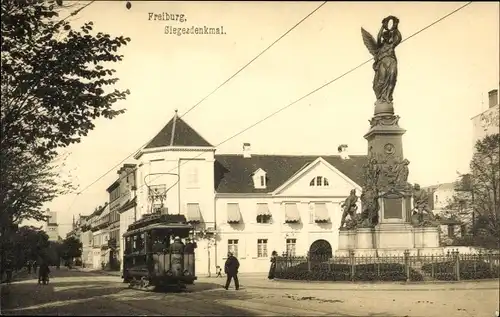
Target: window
x=436 y=198
x=262 y=248
x=290 y=246
x=463 y=230
x=451 y=231
x=193 y=177
x=115 y=194
x=319 y=181
x=264 y=219
x=232 y=246
x=259 y=179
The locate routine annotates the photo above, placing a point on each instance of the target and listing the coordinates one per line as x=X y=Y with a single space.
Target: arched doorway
x=320 y=250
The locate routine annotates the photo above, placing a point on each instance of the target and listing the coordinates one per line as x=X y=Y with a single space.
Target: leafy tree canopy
x=71 y=248
x=53 y=78
x=55 y=81
x=479 y=191
x=28 y=244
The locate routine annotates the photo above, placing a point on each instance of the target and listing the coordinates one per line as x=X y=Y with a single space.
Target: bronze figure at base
x=349 y=207
x=422 y=215
x=368 y=218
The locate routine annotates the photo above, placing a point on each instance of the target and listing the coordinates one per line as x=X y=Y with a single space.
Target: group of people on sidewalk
x=232 y=265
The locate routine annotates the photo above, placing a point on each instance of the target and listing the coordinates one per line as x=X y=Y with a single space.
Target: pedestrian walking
x=231 y=269
x=272 y=269
x=43 y=272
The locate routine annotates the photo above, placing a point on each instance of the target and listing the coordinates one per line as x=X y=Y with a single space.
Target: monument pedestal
x=364 y=238
x=426 y=237
x=347 y=240
x=394 y=236
x=389 y=239
x=394 y=233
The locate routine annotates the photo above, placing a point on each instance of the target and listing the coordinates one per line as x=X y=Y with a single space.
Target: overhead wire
x=211 y=93
x=299 y=99
x=317 y=89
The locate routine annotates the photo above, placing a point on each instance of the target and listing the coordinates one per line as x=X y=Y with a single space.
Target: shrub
x=445 y=271
x=342 y=272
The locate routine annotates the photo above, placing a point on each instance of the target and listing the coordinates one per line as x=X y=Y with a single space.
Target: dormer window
x=319 y=181
x=259 y=179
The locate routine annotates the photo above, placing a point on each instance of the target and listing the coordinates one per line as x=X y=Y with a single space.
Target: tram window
x=149 y=241
x=127 y=245
x=135 y=244
x=140 y=242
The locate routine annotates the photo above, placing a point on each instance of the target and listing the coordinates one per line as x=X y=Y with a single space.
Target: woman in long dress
x=272 y=269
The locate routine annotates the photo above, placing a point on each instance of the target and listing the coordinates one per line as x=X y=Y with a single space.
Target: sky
x=445 y=73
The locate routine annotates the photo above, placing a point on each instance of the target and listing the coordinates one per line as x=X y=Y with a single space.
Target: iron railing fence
x=449 y=266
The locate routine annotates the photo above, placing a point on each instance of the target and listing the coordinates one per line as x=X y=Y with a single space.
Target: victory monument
x=387 y=224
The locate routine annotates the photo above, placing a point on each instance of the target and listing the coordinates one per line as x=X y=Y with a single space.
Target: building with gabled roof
x=254 y=203
x=177 y=133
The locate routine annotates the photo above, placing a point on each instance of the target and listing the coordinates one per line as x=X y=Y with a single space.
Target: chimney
x=493 y=98
x=342 y=149
x=246 y=150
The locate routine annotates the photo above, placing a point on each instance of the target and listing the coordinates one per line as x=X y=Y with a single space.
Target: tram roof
x=157 y=226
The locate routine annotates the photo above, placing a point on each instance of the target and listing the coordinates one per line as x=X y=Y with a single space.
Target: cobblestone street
x=82 y=293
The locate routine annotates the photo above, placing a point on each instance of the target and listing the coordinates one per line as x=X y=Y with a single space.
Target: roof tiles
x=233 y=173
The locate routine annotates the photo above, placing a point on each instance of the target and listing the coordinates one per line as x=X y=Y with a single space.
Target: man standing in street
x=231 y=269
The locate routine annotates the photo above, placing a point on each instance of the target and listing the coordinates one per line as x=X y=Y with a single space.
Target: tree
x=479 y=192
x=27 y=183
x=53 y=253
x=29 y=243
x=55 y=81
x=71 y=248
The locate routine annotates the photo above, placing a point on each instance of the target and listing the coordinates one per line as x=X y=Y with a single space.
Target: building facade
x=86 y=239
x=51 y=226
x=97 y=237
x=114 y=224
x=454 y=218
x=126 y=203
x=254 y=204
x=103 y=228
x=487 y=122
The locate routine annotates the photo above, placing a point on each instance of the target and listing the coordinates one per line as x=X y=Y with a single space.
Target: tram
x=149 y=261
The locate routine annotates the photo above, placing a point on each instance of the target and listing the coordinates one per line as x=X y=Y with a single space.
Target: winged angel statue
x=386 y=64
